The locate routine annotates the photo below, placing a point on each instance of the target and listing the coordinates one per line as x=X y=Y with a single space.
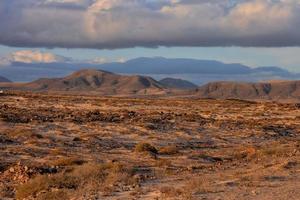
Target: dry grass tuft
x=163 y=163
x=169 y=150
x=54 y=195
x=145 y=147
x=176 y=193
x=244 y=153
x=67 y=161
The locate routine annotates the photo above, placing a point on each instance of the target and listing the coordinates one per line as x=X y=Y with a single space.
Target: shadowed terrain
x=85 y=147
x=3 y=79
x=177 y=83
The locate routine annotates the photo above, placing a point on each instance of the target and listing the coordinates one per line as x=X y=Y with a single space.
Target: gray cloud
x=149 y=23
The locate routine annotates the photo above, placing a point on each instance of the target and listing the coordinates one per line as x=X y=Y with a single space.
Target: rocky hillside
x=177 y=83
x=98 y=81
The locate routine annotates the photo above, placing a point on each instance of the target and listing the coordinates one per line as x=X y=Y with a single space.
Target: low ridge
x=283 y=90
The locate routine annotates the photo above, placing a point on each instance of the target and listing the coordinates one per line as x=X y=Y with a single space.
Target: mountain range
x=199 y=72
x=161 y=65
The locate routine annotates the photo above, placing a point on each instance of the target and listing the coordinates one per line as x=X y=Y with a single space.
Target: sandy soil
x=200 y=149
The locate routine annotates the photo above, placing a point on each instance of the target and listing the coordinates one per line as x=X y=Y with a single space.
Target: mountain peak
x=99 y=82
x=88 y=72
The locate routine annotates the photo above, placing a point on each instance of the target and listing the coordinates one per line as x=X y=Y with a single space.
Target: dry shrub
x=32 y=187
x=27 y=133
x=67 y=161
x=188 y=191
x=57 y=151
x=79 y=181
x=145 y=147
x=176 y=193
x=44 y=183
x=197 y=185
x=251 y=153
x=163 y=163
x=54 y=195
x=244 y=153
x=168 y=191
x=274 y=152
x=169 y=150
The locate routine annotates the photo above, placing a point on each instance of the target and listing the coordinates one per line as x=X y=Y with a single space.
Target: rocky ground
x=72 y=147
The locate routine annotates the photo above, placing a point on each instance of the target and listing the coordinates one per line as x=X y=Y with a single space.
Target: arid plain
x=88 y=147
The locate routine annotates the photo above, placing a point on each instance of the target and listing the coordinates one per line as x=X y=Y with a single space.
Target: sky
x=252 y=32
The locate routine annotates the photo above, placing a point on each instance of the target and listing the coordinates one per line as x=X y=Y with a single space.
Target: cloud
x=41 y=57
x=29 y=56
x=102 y=60
x=109 y=24
x=99 y=60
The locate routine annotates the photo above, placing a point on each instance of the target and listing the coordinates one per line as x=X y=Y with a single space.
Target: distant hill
x=271 y=69
x=3 y=79
x=277 y=90
x=177 y=83
x=91 y=81
x=98 y=81
x=161 y=65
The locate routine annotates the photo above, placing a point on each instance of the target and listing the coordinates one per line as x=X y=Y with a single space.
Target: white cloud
x=149 y=23
x=121 y=60
x=35 y=56
x=101 y=60
x=30 y=56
